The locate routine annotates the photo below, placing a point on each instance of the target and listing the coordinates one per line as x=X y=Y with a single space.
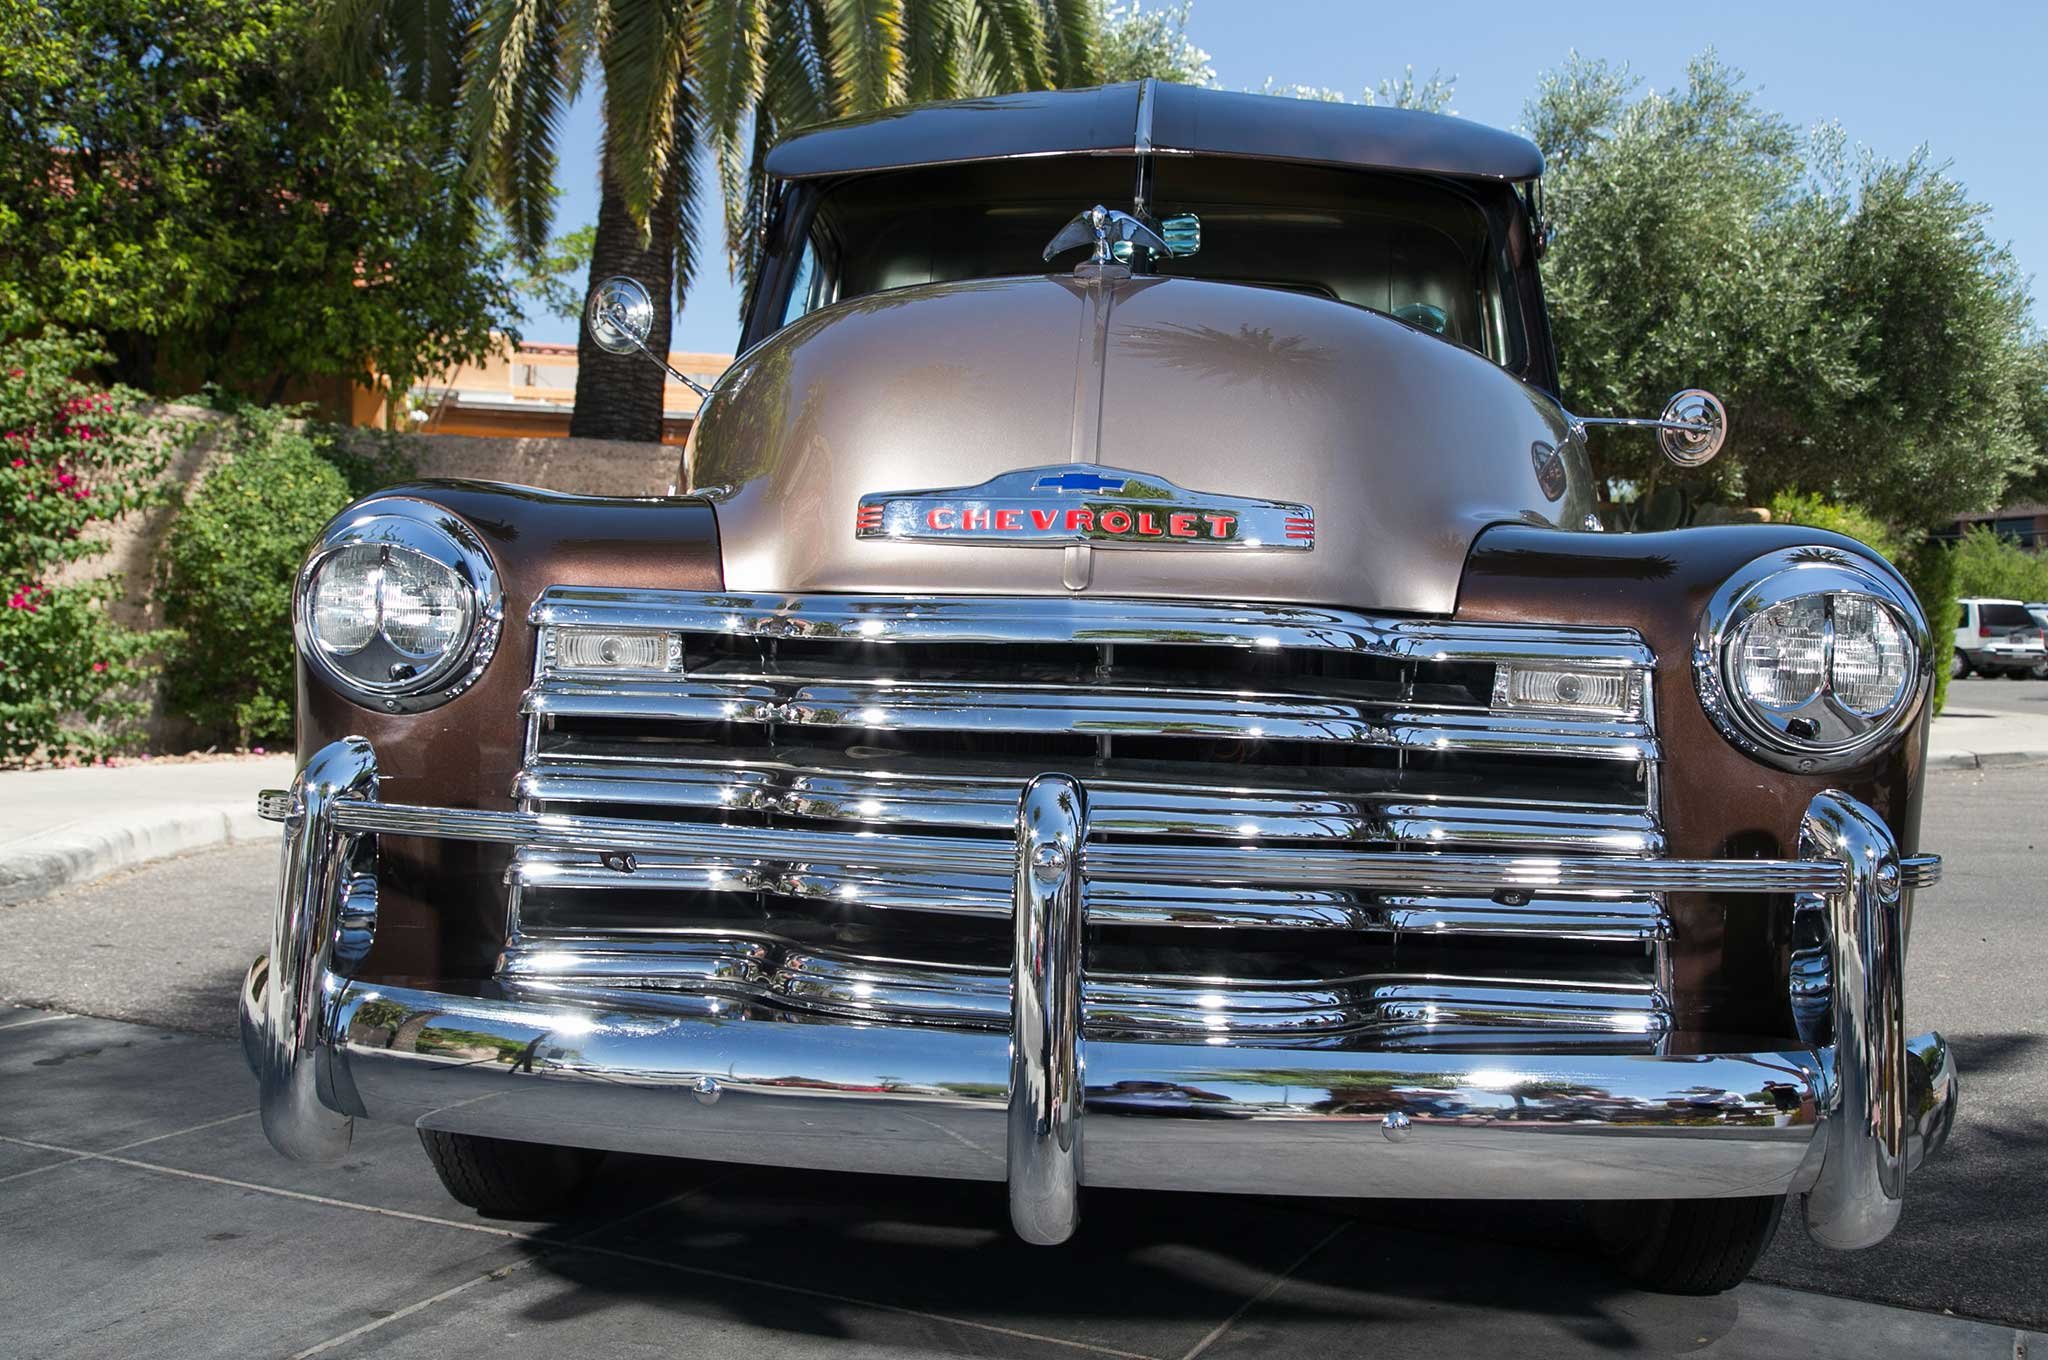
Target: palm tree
x=688 y=81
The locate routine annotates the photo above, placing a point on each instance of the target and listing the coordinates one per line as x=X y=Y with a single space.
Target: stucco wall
x=591 y=466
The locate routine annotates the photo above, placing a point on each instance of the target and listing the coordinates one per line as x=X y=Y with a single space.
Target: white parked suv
x=1999 y=637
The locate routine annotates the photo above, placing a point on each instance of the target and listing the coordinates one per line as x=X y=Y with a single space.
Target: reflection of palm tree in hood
x=1288 y=364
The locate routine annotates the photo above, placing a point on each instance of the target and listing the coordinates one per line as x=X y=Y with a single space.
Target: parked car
x=1196 y=672
x=1998 y=637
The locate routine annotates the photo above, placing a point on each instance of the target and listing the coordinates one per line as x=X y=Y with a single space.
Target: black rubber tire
x=1686 y=1246
x=507 y=1179
x=1958 y=666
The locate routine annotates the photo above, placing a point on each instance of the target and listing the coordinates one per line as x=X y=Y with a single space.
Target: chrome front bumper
x=1841 y=1122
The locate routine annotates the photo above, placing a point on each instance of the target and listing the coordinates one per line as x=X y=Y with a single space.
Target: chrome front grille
x=1306 y=735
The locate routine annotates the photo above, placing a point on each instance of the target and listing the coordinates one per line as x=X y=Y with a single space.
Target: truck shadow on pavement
x=1148 y=1274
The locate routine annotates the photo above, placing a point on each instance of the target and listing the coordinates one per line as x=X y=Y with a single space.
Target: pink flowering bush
x=72 y=457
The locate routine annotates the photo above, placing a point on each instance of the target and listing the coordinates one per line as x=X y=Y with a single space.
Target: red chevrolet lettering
x=939 y=517
x=1147 y=526
x=1116 y=520
x=1180 y=524
x=1042 y=520
x=1009 y=519
x=1219 y=525
x=1079 y=521
x=975 y=518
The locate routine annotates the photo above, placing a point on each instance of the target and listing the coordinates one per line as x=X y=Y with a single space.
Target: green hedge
x=227 y=566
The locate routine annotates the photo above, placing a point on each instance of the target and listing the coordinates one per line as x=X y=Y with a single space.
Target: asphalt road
x=2028 y=698
x=893 y=1265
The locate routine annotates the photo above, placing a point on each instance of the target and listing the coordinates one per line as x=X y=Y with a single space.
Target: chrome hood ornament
x=1070 y=503
x=1105 y=229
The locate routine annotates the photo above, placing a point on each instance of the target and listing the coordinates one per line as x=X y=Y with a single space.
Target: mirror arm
x=1642 y=423
x=616 y=317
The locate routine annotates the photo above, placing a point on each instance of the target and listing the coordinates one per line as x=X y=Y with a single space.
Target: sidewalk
x=60 y=827
x=1969 y=736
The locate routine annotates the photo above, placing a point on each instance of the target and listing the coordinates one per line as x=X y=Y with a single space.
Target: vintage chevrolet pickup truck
x=1172 y=722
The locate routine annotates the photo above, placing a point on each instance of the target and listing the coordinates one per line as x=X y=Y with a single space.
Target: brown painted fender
x=1729 y=954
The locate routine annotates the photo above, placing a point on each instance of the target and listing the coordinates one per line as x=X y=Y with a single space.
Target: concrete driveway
x=142 y=1213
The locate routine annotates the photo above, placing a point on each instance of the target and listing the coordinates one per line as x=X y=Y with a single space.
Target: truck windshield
x=1418 y=249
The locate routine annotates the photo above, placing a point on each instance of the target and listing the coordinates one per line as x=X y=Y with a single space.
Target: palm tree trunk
x=619 y=396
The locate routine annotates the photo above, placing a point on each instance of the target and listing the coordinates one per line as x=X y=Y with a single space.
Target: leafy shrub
x=1928 y=566
x=75 y=457
x=1987 y=564
x=226 y=569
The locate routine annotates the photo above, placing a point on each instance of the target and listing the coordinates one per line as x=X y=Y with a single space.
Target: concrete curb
x=82 y=852
x=1983 y=760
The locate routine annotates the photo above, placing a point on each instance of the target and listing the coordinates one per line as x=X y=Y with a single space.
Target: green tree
x=1870 y=338
x=178 y=178
x=1141 y=44
x=699 y=80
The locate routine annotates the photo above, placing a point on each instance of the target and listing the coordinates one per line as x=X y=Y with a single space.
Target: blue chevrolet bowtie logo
x=1080 y=481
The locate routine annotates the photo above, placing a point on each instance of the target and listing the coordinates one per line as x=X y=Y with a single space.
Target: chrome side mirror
x=620 y=317
x=1691 y=428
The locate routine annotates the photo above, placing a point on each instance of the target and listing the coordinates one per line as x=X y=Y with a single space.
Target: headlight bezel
x=1823 y=734
x=439 y=535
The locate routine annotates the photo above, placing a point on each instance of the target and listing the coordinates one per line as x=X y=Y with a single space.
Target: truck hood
x=1401 y=446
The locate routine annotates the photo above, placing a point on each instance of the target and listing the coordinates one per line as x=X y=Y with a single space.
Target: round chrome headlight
x=398 y=605
x=1810 y=658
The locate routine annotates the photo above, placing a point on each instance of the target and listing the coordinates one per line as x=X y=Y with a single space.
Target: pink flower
x=257 y=751
x=66 y=479
x=99 y=667
x=21 y=462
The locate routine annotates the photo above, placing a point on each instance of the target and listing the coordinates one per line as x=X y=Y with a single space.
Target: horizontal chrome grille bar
x=891 y=801
x=1192 y=864
x=1008 y=620
x=1111 y=902
x=1082 y=712
x=765 y=969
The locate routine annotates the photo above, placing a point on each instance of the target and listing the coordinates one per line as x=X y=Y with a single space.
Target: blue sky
x=1967 y=79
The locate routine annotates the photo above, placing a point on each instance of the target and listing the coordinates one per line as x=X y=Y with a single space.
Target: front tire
x=1686 y=1246
x=506 y=1179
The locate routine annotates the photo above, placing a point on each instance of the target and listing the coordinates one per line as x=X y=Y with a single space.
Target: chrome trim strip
x=1920 y=871
x=1193 y=864
x=1862 y=1186
x=1010 y=619
x=1044 y=1143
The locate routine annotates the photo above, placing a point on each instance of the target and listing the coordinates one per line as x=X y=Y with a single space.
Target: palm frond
x=1076 y=31
x=934 y=34
x=866 y=53
x=646 y=54
x=1009 y=45
x=686 y=142
x=512 y=105
x=793 y=84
